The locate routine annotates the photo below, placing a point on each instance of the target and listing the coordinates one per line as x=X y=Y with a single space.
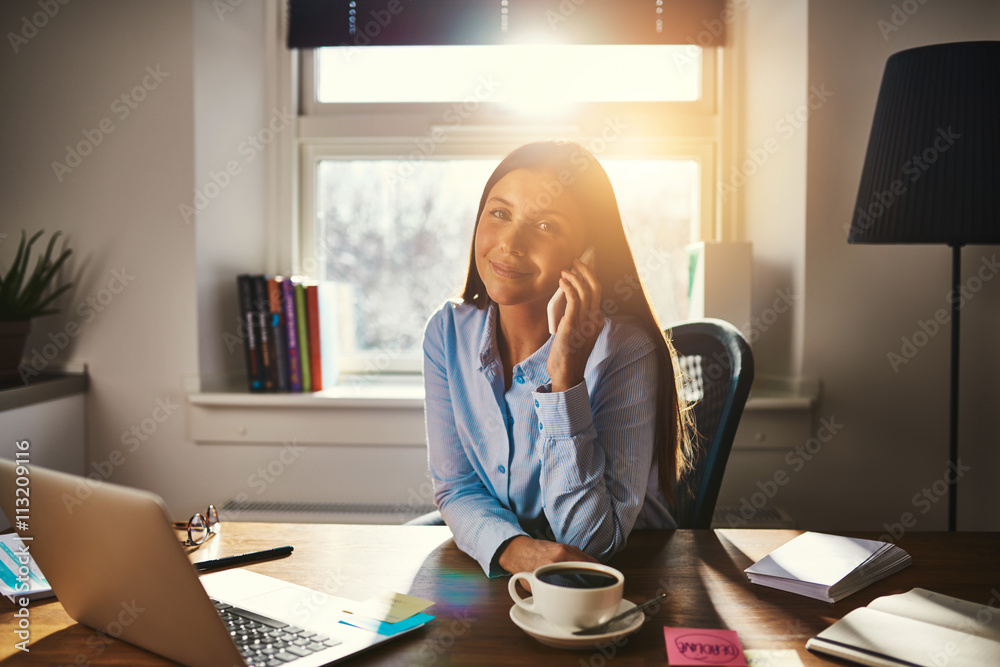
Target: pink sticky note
x=695 y=646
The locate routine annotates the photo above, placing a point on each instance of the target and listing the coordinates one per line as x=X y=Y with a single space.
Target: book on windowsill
x=249 y=320
x=827 y=567
x=919 y=628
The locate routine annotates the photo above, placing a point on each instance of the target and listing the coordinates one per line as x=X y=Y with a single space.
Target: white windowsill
x=385 y=411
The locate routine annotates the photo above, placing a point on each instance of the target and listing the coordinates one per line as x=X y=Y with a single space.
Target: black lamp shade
x=931 y=172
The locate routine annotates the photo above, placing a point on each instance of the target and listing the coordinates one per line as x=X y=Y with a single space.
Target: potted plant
x=25 y=295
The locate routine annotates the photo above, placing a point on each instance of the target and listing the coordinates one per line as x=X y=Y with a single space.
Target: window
x=394 y=154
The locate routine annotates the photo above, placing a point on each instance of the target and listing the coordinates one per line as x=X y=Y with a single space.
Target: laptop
x=117 y=566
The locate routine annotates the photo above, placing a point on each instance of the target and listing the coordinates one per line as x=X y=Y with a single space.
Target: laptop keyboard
x=266 y=642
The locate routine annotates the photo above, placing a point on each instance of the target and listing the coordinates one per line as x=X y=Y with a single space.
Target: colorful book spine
x=315 y=349
x=303 y=328
x=262 y=309
x=251 y=347
x=292 y=338
x=276 y=326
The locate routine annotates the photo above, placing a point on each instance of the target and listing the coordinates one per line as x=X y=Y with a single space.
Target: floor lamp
x=931 y=172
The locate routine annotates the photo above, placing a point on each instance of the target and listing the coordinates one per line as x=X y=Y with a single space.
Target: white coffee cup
x=571 y=595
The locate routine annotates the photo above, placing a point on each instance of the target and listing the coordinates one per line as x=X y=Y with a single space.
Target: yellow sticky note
x=390 y=607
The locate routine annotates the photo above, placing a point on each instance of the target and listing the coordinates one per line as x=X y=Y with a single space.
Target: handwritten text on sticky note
x=695 y=646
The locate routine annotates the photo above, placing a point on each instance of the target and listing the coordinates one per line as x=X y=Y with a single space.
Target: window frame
x=663 y=130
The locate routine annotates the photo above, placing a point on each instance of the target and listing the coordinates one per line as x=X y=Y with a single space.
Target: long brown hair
x=575 y=169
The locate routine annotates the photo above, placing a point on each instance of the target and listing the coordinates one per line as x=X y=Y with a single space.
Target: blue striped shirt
x=575 y=467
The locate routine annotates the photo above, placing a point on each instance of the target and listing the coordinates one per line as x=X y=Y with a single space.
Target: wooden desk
x=701 y=570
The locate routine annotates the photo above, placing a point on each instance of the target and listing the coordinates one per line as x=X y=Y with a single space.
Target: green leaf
x=42 y=277
x=7 y=291
x=24 y=262
x=22 y=296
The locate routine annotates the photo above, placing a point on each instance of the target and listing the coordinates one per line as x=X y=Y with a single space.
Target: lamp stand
x=956 y=278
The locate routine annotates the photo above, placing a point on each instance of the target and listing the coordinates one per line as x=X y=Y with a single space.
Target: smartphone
x=557 y=304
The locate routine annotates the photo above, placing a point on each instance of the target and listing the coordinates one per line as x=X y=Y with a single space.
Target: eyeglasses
x=201 y=527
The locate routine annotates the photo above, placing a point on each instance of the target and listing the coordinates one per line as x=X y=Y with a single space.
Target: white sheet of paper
x=389 y=607
x=817 y=558
x=785 y=657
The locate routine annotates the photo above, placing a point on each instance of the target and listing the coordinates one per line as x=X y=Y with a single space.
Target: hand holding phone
x=557 y=304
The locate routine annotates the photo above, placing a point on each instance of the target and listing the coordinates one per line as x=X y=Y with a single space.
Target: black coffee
x=577 y=578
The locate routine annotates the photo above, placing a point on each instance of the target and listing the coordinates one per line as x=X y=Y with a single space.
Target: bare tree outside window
x=397 y=234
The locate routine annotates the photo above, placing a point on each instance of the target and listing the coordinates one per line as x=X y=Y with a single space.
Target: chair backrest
x=717 y=365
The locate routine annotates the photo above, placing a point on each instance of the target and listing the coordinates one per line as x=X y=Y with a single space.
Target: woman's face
x=526 y=237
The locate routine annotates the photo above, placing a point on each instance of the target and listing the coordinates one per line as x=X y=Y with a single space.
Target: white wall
x=118 y=207
x=122 y=210
x=861 y=300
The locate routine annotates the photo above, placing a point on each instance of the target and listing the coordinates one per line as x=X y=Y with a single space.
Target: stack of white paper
x=827 y=567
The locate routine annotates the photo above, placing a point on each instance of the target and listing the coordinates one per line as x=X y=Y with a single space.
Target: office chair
x=717 y=367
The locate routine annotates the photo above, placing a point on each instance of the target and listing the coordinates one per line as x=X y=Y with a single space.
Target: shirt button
x=540 y=427
x=520 y=380
x=502 y=470
x=536 y=404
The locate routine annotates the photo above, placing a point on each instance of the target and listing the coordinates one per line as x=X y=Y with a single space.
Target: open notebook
x=920 y=628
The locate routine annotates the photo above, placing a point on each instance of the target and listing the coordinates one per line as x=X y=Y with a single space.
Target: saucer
x=550 y=635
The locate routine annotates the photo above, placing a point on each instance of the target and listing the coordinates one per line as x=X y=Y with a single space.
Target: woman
x=547 y=448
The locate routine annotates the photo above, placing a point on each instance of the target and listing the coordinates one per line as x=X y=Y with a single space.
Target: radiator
x=300 y=512
x=389 y=513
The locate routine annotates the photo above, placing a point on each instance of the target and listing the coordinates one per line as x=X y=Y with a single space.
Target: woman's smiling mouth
x=505 y=271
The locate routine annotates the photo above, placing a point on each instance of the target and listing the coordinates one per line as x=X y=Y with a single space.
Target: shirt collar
x=534 y=369
x=487 y=341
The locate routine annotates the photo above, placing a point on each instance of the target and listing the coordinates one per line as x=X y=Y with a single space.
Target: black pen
x=250 y=557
